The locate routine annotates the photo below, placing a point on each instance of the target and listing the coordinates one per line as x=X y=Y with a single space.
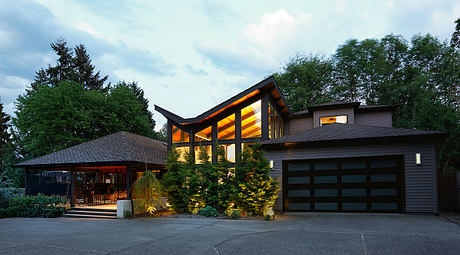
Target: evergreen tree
x=175 y=183
x=4 y=135
x=455 y=40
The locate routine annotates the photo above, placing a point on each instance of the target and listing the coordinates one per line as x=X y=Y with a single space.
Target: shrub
x=148 y=190
x=35 y=206
x=8 y=192
x=234 y=213
x=209 y=211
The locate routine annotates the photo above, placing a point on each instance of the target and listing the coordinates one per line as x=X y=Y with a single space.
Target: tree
x=4 y=135
x=147 y=190
x=455 y=40
x=71 y=66
x=175 y=182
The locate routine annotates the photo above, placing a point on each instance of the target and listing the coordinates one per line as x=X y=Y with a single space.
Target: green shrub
x=234 y=213
x=35 y=206
x=209 y=211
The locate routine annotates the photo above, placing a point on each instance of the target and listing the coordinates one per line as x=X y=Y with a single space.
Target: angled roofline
x=332 y=105
x=222 y=106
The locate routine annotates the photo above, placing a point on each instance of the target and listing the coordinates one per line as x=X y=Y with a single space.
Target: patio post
x=26 y=181
x=72 y=187
x=128 y=182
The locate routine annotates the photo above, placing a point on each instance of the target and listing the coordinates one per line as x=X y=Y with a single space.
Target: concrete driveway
x=290 y=234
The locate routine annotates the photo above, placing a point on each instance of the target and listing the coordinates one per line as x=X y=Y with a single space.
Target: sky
x=188 y=56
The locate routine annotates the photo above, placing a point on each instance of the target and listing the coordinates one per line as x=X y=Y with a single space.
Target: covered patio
x=97 y=172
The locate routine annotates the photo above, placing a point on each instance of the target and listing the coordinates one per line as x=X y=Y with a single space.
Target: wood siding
x=376 y=119
x=300 y=124
x=420 y=181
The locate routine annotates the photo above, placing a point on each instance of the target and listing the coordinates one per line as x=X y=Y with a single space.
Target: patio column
x=26 y=181
x=72 y=187
x=128 y=182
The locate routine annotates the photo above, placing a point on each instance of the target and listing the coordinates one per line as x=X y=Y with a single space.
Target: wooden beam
x=72 y=187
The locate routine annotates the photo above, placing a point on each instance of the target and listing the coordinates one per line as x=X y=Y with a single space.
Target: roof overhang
x=266 y=86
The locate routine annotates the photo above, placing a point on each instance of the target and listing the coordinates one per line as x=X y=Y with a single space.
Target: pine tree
x=4 y=135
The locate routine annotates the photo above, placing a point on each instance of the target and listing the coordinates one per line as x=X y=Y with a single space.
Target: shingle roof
x=118 y=147
x=337 y=132
x=360 y=108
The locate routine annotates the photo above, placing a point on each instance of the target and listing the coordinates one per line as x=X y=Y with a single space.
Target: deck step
x=87 y=216
x=95 y=213
x=86 y=209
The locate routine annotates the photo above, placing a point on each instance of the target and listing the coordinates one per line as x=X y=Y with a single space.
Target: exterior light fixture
x=418 y=159
x=271 y=164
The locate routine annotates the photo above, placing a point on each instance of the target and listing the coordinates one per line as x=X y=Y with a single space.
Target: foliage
x=71 y=66
x=258 y=190
x=420 y=76
x=455 y=40
x=174 y=182
x=53 y=118
x=209 y=211
x=234 y=213
x=127 y=214
x=4 y=135
x=148 y=190
x=35 y=206
x=8 y=191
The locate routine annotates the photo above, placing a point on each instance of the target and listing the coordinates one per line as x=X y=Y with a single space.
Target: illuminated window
x=271 y=122
x=251 y=121
x=204 y=135
x=179 y=136
x=230 y=153
x=226 y=128
x=183 y=153
x=207 y=148
x=245 y=146
x=333 y=119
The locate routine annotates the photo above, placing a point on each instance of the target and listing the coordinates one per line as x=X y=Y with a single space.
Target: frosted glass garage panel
x=381 y=163
x=326 y=206
x=325 y=192
x=326 y=165
x=354 y=192
x=353 y=164
x=326 y=179
x=353 y=179
x=383 y=178
x=299 y=206
x=298 y=166
x=384 y=206
x=299 y=180
x=384 y=192
x=354 y=206
x=299 y=193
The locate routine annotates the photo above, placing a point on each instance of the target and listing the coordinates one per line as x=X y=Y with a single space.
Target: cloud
x=196 y=71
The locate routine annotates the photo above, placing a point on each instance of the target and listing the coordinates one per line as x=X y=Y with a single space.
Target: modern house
x=340 y=156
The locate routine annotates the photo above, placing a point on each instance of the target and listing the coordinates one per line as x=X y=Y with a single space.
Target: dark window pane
x=353 y=192
x=325 y=192
x=299 y=180
x=299 y=193
x=353 y=164
x=383 y=177
x=353 y=178
x=326 y=165
x=326 y=206
x=354 y=206
x=299 y=206
x=378 y=163
x=383 y=192
x=325 y=179
x=298 y=166
x=384 y=206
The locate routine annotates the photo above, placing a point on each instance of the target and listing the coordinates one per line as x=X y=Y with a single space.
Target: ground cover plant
x=211 y=189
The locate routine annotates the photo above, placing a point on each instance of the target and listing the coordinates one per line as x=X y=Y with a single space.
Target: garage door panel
x=349 y=185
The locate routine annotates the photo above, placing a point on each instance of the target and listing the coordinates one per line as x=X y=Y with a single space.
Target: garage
x=363 y=184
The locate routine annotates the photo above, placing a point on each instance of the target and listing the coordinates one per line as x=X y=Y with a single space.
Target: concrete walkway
x=290 y=234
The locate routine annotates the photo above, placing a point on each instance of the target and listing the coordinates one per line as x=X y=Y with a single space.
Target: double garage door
x=371 y=184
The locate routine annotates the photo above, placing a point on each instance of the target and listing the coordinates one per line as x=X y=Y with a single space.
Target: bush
x=209 y=211
x=8 y=192
x=234 y=213
x=35 y=206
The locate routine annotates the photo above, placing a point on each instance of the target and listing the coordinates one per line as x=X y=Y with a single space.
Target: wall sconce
x=271 y=164
x=418 y=159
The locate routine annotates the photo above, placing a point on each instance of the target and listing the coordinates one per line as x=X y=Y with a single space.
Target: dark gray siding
x=300 y=124
x=420 y=181
x=376 y=119
x=350 y=112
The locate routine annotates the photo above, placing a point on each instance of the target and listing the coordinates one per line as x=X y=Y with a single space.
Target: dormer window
x=333 y=119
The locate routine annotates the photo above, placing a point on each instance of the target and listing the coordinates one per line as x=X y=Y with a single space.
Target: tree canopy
x=420 y=76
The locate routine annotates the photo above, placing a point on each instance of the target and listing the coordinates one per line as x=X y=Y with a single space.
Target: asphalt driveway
x=290 y=234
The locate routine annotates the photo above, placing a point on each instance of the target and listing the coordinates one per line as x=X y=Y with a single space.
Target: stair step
x=88 y=216
x=92 y=209
x=92 y=213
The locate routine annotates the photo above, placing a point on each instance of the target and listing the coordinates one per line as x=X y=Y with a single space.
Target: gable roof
x=118 y=147
x=268 y=84
x=338 y=132
x=357 y=105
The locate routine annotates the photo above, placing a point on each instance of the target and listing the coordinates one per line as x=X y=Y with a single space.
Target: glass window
x=380 y=163
x=384 y=206
x=251 y=121
x=277 y=124
x=271 y=122
x=333 y=119
x=299 y=193
x=281 y=127
x=354 y=206
x=325 y=193
x=354 y=192
x=383 y=192
x=207 y=148
x=298 y=166
x=183 y=151
x=353 y=178
x=179 y=136
x=230 y=153
x=245 y=146
x=299 y=206
x=383 y=177
x=299 y=180
x=326 y=165
x=325 y=179
x=226 y=128
x=326 y=206
x=204 y=135
x=353 y=164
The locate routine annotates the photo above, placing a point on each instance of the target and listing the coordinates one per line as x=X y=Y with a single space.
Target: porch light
x=271 y=164
x=418 y=159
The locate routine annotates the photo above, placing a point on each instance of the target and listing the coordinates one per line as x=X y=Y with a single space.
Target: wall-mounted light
x=418 y=159
x=271 y=164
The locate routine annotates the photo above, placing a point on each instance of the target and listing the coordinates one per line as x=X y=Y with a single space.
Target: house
x=339 y=156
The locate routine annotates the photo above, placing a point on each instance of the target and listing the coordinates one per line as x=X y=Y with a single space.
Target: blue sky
x=190 y=55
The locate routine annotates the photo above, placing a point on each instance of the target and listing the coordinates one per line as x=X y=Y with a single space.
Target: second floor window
x=333 y=119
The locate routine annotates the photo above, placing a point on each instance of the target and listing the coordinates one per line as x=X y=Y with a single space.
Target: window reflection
x=230 y=153
x=226 y=128
x=183 y=151
x=179 y=136
x=207 y=148
x=204 y=135
x=251 y=121
x=271 y=116
x=333 y=119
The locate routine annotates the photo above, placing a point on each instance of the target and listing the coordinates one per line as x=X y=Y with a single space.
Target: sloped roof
x=118 y=147
x=359 y=107
x=269 y=84
x=337 y=132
